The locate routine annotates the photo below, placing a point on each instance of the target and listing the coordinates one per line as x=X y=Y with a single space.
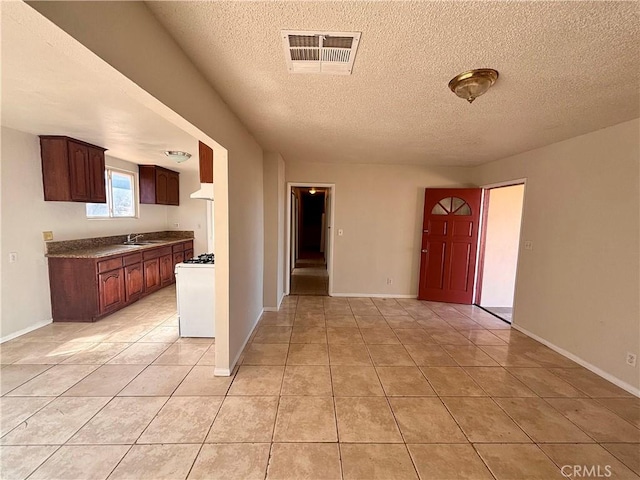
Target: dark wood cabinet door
x=97 y=187
x=173 y=188
x=147 y=183
x=111 y=290
x=177 y=258
x=79 y=172
x=151 y=275
x=133 y=282
x=188 y=254
x=166 y=269
x=159 y=185
x=206 y=163
x=162 y=186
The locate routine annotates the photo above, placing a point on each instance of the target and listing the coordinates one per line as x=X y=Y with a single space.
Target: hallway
x=310 y=276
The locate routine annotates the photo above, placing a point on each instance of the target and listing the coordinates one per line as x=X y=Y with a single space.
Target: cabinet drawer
x=178 y=248
x=188 y=245
x=131 y=259
x=156 y=252
x=111 y=264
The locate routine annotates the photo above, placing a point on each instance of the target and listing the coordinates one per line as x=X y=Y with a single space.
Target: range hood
x=205 y=192
x=206 y=173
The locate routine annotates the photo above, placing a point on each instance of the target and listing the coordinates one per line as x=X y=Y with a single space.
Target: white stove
x=195 y=288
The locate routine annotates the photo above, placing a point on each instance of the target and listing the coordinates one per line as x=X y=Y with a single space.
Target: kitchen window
x=121 y=196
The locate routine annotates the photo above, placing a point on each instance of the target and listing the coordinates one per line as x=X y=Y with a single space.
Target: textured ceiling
x=49 y=91
x=566 y=68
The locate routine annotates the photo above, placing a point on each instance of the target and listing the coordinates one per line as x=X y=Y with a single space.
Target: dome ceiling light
x=470 y=85
x=177 y=156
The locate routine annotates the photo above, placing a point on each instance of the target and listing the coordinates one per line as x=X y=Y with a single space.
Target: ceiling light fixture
x=470 y=85
x=178 y=156
x=312 y=190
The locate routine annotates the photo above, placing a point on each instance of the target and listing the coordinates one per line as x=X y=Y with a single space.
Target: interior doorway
x=309 y=239
x=499 y=249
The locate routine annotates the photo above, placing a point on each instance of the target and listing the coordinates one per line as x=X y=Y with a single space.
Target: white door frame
x=482 y=245
x=332 y=188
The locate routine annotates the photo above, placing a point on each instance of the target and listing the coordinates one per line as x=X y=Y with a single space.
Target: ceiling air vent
x=330 y=53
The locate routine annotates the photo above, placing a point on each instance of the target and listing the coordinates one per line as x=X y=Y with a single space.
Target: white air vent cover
x=330 y=53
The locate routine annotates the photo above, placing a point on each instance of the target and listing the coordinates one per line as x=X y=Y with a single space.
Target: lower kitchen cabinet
x=111 y=291
x=166 y=270
x=87 y=289
x=133 y=282
x=178 y=257
x=151 y=275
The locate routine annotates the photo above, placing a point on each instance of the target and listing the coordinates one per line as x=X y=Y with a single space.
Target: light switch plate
x=528 y=245
x=340 y=232
x=47 y=236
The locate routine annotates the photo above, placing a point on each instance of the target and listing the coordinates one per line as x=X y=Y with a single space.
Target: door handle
x=424 y=251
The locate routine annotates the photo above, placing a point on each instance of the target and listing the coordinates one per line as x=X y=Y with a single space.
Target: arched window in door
x=451 y=206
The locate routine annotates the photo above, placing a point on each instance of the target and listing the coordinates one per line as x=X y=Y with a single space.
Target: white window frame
x=109 y=187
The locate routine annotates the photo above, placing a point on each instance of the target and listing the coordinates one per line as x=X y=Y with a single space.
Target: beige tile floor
x=328 y=388
x=310 y=277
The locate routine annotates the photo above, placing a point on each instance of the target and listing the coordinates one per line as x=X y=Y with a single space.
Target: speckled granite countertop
x=107 y=246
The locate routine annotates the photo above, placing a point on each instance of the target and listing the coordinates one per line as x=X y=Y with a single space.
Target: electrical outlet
x=389 y=281
x=13 y=257
x=528 y=245
x=631 y=359
x=340 y=232
x=176 y=225
x=47 y=236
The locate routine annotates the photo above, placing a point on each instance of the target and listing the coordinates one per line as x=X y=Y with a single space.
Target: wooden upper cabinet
x=173 y=189
x=97 y=185
x=79 y=172
x=159 y=185
x=162 y=186
x=72 y=170
x=206 y=163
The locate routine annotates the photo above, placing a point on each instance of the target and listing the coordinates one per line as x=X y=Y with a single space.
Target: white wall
x=191 y=214
x=128 y=37
x=579 y=287
x=274 y=229
x=380 y=210
x=25 y=215
x=502 y=246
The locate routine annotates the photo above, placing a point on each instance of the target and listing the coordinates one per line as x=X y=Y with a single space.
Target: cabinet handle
x=424 y=251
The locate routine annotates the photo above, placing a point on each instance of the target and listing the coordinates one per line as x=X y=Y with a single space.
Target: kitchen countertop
x=115 y=249
x=100 y=247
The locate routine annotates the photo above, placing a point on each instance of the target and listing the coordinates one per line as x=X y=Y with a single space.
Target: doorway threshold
x=501 y=313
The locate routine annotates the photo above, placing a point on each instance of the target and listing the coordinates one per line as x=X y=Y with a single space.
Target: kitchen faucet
x=133 y=240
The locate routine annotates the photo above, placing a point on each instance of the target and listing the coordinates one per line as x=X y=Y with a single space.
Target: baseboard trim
x=280 y=301
x=607 y=376
x=372 y=295
x=232 y=365
x=24 y=331
x=221 y=372
x=274 y=309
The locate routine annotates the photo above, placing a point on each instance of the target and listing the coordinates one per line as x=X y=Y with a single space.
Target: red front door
x=449 y=244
